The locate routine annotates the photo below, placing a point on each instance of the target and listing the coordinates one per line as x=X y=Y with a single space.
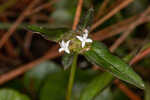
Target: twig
x=114 y=30
x=44 y=6
x=130 y=29
x=10 y=49
x=9 y=46
x=28 y=39
x=101 y=9
x=140 y=56
x=110 y=14
x=126 y=90
x=18 y=21
x=77 y=15
x=14 y=73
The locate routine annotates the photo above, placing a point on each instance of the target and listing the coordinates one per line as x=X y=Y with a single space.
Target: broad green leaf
x=10 y=94
x=51 y=34
x=34 y=77
x=100 y=55
x=96 y=86
x=106 y=94
x=67 y=60
x=55 y=86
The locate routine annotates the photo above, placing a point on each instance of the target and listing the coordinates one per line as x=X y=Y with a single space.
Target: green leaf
x=96 y=86
x=34 y=77
x=100 y=55
x=55 y=86
x=9 y=94
x=86 y=20
x=67 y=60
x=51 y=34
x=106 y=94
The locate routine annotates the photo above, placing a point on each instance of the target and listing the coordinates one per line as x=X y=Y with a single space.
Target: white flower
x=64 y=46
x=85 y=38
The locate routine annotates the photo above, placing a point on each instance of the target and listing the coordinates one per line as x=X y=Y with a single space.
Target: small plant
x=73 y=43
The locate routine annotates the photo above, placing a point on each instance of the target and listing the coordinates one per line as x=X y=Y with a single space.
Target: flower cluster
x=64 y=46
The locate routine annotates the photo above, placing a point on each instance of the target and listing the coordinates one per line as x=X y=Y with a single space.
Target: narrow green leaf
x=50 y=34
x=96 y=86
x=100 y=55
x=67 y=60
x=86 y=20
x=9 y=94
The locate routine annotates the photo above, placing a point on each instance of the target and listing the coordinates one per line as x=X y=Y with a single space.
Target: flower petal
x=80 y=38
x=67 y=51
x=85 y=35
x=63 y=44
x=83 y=44
x=89 y=40
x=67 y=44
x=61 y=49
x=86 y=31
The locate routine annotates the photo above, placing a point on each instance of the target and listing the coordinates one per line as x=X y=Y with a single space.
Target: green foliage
x=34 y=78
x=9 y=94
x=64 y=12
x=96 y=86
x=67 y=60
x=100 y=55
x=55 y=87
x=56 y=84
x=86 y=20
x=50 y=34
x=106 y=94
x=50 y=82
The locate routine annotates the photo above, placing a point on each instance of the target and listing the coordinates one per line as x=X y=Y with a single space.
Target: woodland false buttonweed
x=64 y=46
x=85 y=38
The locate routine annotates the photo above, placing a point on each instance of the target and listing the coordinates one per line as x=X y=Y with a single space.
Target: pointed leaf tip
x=101 y=56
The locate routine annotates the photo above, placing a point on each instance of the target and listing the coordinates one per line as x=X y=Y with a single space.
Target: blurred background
x=31 y=67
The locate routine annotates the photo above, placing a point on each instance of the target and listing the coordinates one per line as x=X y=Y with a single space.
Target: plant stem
x=72 y=76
